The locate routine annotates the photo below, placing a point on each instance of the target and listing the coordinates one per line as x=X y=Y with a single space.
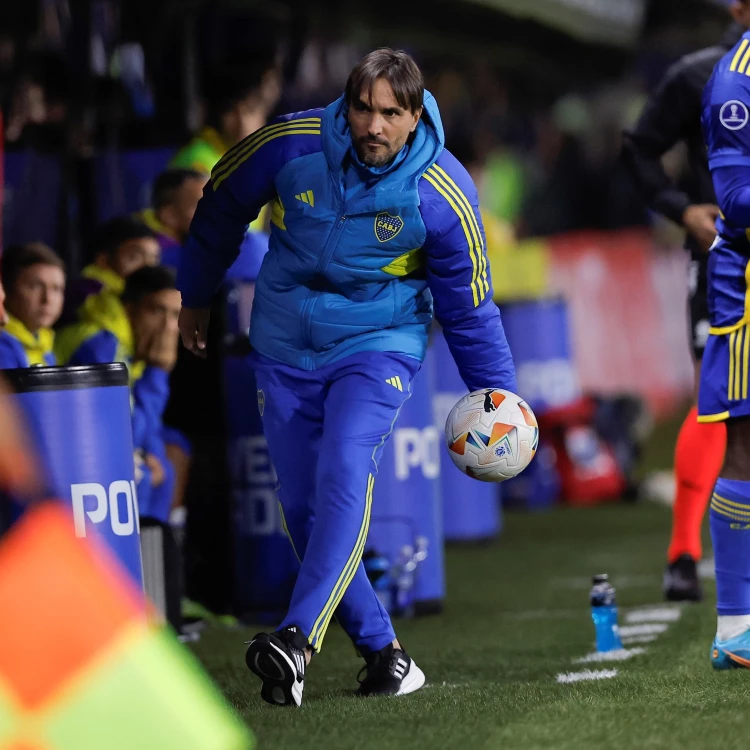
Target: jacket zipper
x=325 y=259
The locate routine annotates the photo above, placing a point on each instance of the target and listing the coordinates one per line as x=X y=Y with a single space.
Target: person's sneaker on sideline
x=279 y=660
x=390 y=671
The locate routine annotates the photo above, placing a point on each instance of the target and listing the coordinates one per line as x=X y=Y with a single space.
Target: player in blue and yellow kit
x=723 y=394
x=375 y=224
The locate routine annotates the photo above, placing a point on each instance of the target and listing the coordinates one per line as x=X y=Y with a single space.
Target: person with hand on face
x=121 y=245
x=34 y=277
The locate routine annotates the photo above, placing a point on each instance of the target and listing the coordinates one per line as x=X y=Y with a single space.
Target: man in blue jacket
x=374 y=225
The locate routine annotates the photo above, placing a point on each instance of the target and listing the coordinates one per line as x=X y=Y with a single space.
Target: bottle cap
x=601 y=578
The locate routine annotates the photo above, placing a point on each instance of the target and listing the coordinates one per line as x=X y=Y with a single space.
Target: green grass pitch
x=516 y=616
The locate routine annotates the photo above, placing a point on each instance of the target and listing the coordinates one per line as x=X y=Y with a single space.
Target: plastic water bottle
x=404 y=582
x=604 y=614
x=378 y=569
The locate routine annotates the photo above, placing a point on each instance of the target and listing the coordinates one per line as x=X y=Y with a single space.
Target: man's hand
x=700 y=221
x=194 y=329
x=158 y=474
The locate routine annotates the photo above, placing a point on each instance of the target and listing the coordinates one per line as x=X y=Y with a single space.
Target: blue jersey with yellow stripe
x=726 y=126
x=351 y=270
x=725 y=372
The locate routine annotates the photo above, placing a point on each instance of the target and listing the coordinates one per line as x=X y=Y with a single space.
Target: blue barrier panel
x=406 y=500
x=265 y=563
x=80 y=420
x=538 y=335
x=539 y=339
x=471 y=509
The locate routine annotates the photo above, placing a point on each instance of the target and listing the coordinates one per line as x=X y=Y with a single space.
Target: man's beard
x=379 y=159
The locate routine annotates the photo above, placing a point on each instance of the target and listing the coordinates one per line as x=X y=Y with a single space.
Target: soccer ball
x=491 y=435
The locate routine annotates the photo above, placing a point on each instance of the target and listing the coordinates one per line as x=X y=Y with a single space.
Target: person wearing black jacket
x=672 y=115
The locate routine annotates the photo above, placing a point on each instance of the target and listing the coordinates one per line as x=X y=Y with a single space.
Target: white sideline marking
x=653 y=614
x=620 y=654
x=651 y=628
x=587 y=674
x=707 y=569
x=639 y=639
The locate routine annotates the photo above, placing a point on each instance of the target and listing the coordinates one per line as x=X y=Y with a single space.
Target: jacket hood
x=426 y=146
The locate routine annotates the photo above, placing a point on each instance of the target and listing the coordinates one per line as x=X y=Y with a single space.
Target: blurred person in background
x=34 y=277
x=342 y=309
x=175 y=197
x=121 y=246
x=559 y=191
x=672 y=115
x=723 y=395
x=237 y=105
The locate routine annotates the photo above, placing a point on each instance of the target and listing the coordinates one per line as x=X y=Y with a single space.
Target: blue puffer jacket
x=352 y=268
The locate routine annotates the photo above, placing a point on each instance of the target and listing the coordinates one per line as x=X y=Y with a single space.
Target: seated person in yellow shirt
x=34 y=279
x=121 y=245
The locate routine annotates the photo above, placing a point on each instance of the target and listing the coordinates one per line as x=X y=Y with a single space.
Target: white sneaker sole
x=278 y=673
x=413 y=681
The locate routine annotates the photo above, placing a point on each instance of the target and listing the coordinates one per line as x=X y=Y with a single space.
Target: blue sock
x=730 y=534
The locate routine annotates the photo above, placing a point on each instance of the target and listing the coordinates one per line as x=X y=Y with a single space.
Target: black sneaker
x=390 y=671
x=279 y=660
x=681 y=583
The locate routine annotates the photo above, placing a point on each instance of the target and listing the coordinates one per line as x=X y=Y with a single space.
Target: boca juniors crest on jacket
x=356 y=254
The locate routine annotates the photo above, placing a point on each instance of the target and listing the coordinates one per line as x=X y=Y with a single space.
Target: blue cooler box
x=80 y=420
x=471 y=509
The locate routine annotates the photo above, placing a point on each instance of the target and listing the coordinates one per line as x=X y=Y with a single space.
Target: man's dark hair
x=224 y=90
x=396 y=67
x=18 y=257
x=145 y=281
x=109 y=236
x=168 y=183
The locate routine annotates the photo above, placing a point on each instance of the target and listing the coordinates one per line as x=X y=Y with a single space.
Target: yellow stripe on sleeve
x=246 y=144
x=293 y=129
x=448 y=183
x=738 y=55
x=429 y=176
x=743 y=65
x=730 y=383
x=461 y=196
x=738 y=364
